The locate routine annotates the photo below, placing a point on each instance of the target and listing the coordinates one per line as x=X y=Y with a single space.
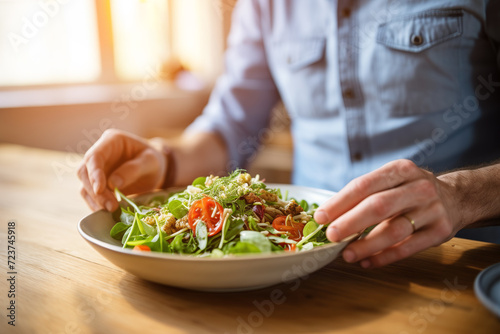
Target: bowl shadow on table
x=338 y=296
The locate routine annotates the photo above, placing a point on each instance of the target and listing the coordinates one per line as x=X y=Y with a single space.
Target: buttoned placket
x=350 y=86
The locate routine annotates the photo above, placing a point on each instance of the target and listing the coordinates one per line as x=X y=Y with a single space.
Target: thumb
x=142 y=173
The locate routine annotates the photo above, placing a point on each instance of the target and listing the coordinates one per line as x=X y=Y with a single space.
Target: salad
x=220 y=216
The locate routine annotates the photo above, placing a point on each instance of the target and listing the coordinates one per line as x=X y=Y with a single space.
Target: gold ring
x=412 y=222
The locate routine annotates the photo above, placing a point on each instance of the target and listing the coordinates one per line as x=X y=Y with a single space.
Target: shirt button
x=348 y=94
x=416 y=40
x=357 y=156
x=345 y=13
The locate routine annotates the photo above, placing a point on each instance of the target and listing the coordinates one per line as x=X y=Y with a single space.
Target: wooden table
x=63 y=286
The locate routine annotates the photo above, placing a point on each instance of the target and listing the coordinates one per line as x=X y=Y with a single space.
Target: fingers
x=99 y=160
x=381 y=198
x=120 y=160
x=90 y=201
x=95 y=171
x=381 y=206
x=415 y=243
x=388 y=176
x=143 y=173
x=395 y=238
x=95 y=200
x=385 y=235
x=108 y=153
x=96 y=163
x=84 y=178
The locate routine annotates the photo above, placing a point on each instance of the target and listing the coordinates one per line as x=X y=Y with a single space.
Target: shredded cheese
x=179 y=232
x=193 y=190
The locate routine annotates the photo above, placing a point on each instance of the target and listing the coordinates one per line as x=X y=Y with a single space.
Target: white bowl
x=245 y=272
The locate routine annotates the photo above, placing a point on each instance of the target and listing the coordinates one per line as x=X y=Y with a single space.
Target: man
x=366 y=83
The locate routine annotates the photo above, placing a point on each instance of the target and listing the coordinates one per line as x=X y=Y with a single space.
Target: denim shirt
x=364 y=82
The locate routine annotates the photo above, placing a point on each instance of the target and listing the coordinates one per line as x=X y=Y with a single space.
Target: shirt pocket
x=416 y=62
x=298 y=68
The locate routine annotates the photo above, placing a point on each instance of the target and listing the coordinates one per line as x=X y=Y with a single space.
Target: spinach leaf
x=243 y=248
x=257 y=239
x=276 y=248
x=118 y=230
x=200 y=182
x=180 y=196
x=234 y=229
x=239 y=207
x=133 y=231
x=146 y=228
x=177 y=208
x=177 y=244
x=304 y=205
x=126 y=235
x=159 y=244
x=140 y=240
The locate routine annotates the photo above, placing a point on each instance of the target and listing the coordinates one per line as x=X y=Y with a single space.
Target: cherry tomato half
x=142 y=248
x=286 y=224
x=209 y=211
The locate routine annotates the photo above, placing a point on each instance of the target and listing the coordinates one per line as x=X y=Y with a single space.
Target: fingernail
x=321 y=217
x=95 y=186
x=116 y=181
x=366 y=264
x=332 y=233
x=109 y=206
x=349 y=256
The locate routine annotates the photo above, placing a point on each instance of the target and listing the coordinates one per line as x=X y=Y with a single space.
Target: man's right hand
x=122 y=160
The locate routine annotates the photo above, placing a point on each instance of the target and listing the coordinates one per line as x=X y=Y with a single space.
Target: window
x=46 y=42
x=141 y=31
x=54 y=42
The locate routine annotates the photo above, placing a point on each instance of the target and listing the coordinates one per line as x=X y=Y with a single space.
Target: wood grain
x=64 y=286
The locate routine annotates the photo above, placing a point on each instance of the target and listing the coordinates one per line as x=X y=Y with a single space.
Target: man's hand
x=390 y=198
x=122 y=160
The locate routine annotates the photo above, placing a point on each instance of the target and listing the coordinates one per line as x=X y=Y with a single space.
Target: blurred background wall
x=70 y=69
